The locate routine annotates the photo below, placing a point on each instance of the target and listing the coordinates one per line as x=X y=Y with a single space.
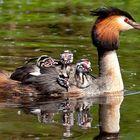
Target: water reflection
x=107 y=136
x=72 y=111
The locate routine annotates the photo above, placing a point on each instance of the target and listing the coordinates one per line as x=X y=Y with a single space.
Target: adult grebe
x=105 y=36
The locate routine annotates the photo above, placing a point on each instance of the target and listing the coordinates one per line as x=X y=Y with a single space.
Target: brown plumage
x=105 y=32
x=108 y=31
x=10 y=87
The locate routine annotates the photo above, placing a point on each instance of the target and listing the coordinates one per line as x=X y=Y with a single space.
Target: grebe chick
x=66 y=57
x=83 y=67
x=66 y=60
x=46 y=61
x=24 y=72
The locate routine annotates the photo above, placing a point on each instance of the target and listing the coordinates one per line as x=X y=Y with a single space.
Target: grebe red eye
x=126 y=19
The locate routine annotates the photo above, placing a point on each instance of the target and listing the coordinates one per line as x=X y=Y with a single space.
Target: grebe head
x=45 y=61
x=66 y=57
x=83 y=66
x=110 y=21
x=63 y=81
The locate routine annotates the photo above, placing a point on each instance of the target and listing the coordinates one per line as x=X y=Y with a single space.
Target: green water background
x=30 y=28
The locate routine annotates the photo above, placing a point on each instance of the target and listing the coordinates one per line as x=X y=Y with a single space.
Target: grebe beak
x=135 y=25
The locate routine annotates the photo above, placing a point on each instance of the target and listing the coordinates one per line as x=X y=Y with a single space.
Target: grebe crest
x=110 y=21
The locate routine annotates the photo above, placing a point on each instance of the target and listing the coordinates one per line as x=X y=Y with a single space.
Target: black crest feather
x=103 y=13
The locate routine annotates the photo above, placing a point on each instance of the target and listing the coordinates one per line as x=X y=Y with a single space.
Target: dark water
x=32 y=28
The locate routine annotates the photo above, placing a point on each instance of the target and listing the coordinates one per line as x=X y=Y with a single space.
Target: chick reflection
x=84 y=118
x=71 y=112
x=68 y=117
x=45 y=117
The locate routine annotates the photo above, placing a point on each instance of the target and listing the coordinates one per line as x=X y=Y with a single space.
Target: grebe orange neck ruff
x=110 y=22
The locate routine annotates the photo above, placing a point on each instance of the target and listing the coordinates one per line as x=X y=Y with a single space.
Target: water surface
x=32 y=28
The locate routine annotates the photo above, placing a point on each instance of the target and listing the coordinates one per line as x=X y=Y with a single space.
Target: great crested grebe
x=105 y=35
x=66 y=59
